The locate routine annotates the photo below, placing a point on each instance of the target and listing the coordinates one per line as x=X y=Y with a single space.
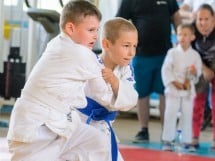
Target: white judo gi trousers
x=105 y=129
x=48 y=146
x=174 y=105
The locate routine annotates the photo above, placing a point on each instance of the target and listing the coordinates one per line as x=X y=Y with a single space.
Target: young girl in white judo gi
x=45 y=124
x=119 y=42
x=180 y=71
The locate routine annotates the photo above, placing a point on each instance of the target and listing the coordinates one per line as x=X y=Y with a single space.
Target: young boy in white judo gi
x=180 y=71
x=119 y=42
x=45 y=124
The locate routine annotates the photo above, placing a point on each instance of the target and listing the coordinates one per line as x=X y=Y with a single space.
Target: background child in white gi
x=119 y=41
x=45 y=125
x=180 y=71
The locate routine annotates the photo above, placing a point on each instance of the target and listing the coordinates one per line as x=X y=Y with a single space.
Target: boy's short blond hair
x=75 y=10
x=116 y=26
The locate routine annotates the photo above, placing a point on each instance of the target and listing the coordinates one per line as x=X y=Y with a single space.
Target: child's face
x=185 y=37
x=123 y=50
x=85 y=32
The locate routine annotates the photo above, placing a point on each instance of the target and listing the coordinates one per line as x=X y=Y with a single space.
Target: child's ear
x=69 y=28
x=105 y=44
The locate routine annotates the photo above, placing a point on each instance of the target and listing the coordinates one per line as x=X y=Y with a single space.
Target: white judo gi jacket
x=55 y=88
x=126 y=96
x=175 y=68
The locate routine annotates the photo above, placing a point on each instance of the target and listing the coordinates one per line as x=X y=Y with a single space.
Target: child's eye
x=91 y=30
x=126 y=46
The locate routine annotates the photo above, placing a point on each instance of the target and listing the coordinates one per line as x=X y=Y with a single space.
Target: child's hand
x=186 y=84
x=192 y=69
x=109 y=76
x=178 y=85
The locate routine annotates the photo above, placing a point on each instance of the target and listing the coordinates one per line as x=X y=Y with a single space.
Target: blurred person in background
x=205 y=45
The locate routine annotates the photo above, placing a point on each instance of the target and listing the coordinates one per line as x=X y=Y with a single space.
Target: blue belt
x=97 y=112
